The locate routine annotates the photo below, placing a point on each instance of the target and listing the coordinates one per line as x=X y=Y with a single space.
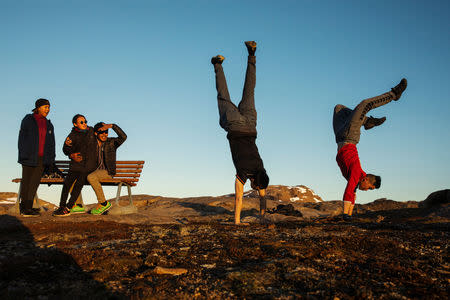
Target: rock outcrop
x=290 y=194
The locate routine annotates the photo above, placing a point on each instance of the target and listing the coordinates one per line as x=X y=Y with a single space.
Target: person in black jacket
x=240 y=123
x=106 y=162
x=36 y=150
x=80 y=147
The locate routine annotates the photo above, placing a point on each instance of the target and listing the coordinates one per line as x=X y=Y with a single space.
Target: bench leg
x=119 y=188
x=36 y=203
x=17 y=205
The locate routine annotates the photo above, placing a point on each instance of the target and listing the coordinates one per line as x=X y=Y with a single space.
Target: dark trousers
x=240 y=118
x=347 y=122
x=79 y=178
x=31 y=178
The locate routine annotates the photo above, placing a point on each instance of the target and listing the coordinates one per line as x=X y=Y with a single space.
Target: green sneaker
x=100 y=209
x=76 y=209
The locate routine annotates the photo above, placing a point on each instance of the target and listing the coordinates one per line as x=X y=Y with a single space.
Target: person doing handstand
x=240 y=123
x=347 y=129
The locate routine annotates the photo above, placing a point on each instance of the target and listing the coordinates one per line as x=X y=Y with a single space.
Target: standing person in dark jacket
x=80 y=147
x=106 y=162
x=240 y=123
x=36 y=150
x=347 y=125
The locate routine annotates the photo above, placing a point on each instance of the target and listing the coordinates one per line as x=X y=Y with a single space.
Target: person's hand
x=106 y=126
x=76 y=156
x=68 y=142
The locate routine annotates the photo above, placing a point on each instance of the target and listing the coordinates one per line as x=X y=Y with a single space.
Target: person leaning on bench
x=36 y=150
x=80 y=146
x=106 y=162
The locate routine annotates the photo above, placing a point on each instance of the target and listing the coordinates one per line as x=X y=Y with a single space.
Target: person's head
x=79 y=121
x=42 y=107
x=102 y=135
x=370 y=182
x=260 y=181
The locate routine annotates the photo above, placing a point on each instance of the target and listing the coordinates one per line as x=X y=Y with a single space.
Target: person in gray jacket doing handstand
x=347 y=125
x=240 y=123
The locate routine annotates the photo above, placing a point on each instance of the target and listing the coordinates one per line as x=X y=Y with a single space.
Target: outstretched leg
x=358 y=117
x=227 y=110
x=247 y=104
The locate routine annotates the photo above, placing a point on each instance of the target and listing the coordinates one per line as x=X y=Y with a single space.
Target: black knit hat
x=40 y=102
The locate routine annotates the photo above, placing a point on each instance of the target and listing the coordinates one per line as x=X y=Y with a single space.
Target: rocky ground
x=188 y=248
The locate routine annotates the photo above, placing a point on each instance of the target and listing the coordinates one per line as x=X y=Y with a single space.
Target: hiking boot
x=218 y=59
x=371 y=122
x=101 y=209
x=251 y=47
x=29 y=213
x=61 y=212
x=399 y=88
x=77 y=209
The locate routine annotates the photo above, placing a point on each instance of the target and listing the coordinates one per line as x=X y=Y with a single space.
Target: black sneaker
x=251 y=47
x=346 y=217
x=399 y=88
x=371 y=122
x=61 y=212
x=218 y=59
x=29 y=213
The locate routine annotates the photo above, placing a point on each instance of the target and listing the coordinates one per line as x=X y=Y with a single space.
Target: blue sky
x=145 y=65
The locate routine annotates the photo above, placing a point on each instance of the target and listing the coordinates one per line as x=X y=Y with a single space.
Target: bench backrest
x=126 y=171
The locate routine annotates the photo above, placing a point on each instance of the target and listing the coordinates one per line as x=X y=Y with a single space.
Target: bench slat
x=127 y=171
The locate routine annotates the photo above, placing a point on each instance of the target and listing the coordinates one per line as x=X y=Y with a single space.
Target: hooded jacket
x=28 y=143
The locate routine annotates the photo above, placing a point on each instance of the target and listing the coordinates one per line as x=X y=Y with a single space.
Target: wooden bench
x=128 y=173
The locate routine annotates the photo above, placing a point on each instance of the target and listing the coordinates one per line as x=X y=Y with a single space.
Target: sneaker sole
x=77 y=212
x=61 y=215
x=30 y=216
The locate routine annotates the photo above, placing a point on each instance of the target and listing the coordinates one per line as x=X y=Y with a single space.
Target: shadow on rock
x=287 y=210
x=28 y=271
x=206 y=210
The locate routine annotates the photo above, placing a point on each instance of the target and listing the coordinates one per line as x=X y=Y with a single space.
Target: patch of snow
x=293 y=199
x=7 y=202
x=302 y=190
x=12 y=199
x=317 y=200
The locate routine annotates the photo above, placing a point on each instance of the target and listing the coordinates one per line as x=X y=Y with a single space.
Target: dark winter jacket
x=86 y=144
x=29 y=142
x=109 y=149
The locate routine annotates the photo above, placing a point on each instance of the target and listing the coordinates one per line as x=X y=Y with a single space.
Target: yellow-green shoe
x=100 y=209
x=76 y=209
